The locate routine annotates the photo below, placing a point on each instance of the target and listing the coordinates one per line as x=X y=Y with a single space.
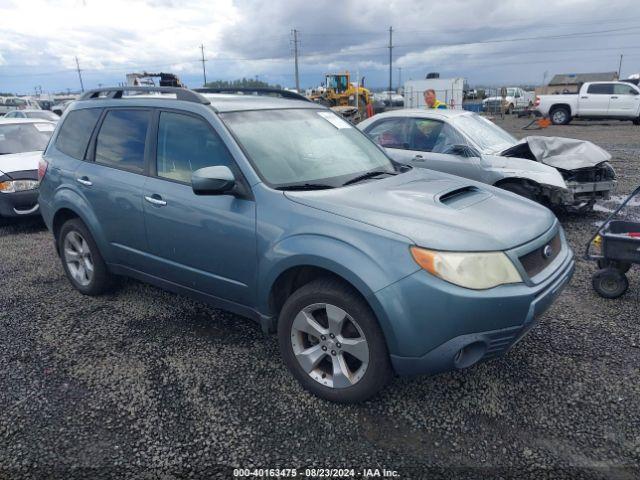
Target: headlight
x=475 y=270
x=12 y=186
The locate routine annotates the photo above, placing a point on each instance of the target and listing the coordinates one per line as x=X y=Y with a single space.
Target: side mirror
x=463 y=151
x=218 y=180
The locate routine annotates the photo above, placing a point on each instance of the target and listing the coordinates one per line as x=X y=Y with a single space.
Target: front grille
x=536 y=261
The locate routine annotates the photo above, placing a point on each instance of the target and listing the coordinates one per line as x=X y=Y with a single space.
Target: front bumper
x=19 y=204
x=434 y=326
x=586 y=189
x=578 y=193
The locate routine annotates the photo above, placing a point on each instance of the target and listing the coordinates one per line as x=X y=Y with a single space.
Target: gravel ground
x=146 y=384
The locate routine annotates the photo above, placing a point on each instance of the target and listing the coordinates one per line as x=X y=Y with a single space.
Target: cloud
x=471 y=38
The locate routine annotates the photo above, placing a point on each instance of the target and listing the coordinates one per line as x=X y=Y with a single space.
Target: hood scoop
x=463 y=197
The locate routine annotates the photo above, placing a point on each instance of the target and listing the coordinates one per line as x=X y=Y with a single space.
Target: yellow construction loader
x=353 y=103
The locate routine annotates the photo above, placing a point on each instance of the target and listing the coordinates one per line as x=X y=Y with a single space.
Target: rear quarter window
x=76 y=131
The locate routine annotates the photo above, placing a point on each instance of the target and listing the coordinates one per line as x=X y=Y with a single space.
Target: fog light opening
x=469 y=354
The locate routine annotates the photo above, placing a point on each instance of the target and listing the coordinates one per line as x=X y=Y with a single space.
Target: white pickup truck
x=595 y=100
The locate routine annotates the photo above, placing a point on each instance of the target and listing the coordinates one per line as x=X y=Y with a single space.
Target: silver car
x=551 y=170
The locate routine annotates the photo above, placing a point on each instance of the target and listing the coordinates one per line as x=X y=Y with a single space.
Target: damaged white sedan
x=555 y=171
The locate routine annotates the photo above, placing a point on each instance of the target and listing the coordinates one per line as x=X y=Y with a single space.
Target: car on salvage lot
x=38 y=114
x=281 y=211
x=555 y=171
x=22 y=142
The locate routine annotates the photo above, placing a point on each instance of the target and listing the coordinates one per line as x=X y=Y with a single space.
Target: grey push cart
x=619 y=245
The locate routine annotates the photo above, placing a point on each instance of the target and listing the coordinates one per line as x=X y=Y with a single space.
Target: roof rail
x=276 y=92
x=118 y=92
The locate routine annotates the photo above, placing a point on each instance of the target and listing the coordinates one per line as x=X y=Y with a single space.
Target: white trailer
x=448 y=90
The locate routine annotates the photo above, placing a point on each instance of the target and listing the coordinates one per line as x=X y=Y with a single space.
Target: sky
x=488 y=42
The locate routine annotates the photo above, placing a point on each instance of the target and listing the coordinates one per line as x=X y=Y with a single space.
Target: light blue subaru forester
x=279 y=210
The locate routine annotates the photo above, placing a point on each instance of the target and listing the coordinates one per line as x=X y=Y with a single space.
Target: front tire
x=331 y=342
x=81 y=259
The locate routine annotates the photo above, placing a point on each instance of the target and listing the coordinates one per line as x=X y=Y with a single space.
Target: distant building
x=571 y=82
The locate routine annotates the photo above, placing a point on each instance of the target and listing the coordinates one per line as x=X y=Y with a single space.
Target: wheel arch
x=555 y=106
x=68 y=205
x=295 y=277
x=519 y=180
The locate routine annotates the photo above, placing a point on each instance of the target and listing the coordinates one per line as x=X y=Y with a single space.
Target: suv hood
x=436 y=210
x=19 y=162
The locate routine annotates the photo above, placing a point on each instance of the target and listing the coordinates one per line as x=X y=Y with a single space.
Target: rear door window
x=76 y=131
x=186 y=144
x=601 y=89
x=121 y=140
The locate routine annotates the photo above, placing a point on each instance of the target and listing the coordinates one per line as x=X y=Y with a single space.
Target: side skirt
x=267 y=322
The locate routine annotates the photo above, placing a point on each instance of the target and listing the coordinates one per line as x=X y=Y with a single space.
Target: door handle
x=155 y=199
x=418 y=158
x=584 y=98
x=84 y=181
x=613 y=97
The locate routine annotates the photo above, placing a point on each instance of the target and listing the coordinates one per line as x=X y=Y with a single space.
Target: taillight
x=42 y=168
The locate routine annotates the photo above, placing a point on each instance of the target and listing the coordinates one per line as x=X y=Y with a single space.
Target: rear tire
x=636 y=121
x=610 y=283
x=319 y=327
x=560 y=116
x=81 y=259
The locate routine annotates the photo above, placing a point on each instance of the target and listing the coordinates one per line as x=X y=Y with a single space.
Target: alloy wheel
x=77 y=257
x=329 y=345
x=559 y=116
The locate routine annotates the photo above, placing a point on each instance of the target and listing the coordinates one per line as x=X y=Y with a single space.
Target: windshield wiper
x=305 y=186
x=368 y=175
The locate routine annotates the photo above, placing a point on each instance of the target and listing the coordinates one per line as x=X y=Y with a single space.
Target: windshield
x=487 y=136
x=305 y=146
x=43 y=114
x=511 y=92
x=24 y=137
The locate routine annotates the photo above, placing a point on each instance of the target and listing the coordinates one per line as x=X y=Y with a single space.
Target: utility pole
x=620 y=67
x=79 y=74
x=390 y=62
x=399 y=78
x=295 y=56
x=204 y=70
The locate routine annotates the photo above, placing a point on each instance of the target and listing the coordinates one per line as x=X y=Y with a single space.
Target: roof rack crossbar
x=254 y=91
x=118 y=92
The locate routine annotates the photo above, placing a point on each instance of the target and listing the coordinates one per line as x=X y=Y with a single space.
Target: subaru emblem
x=547 y=251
